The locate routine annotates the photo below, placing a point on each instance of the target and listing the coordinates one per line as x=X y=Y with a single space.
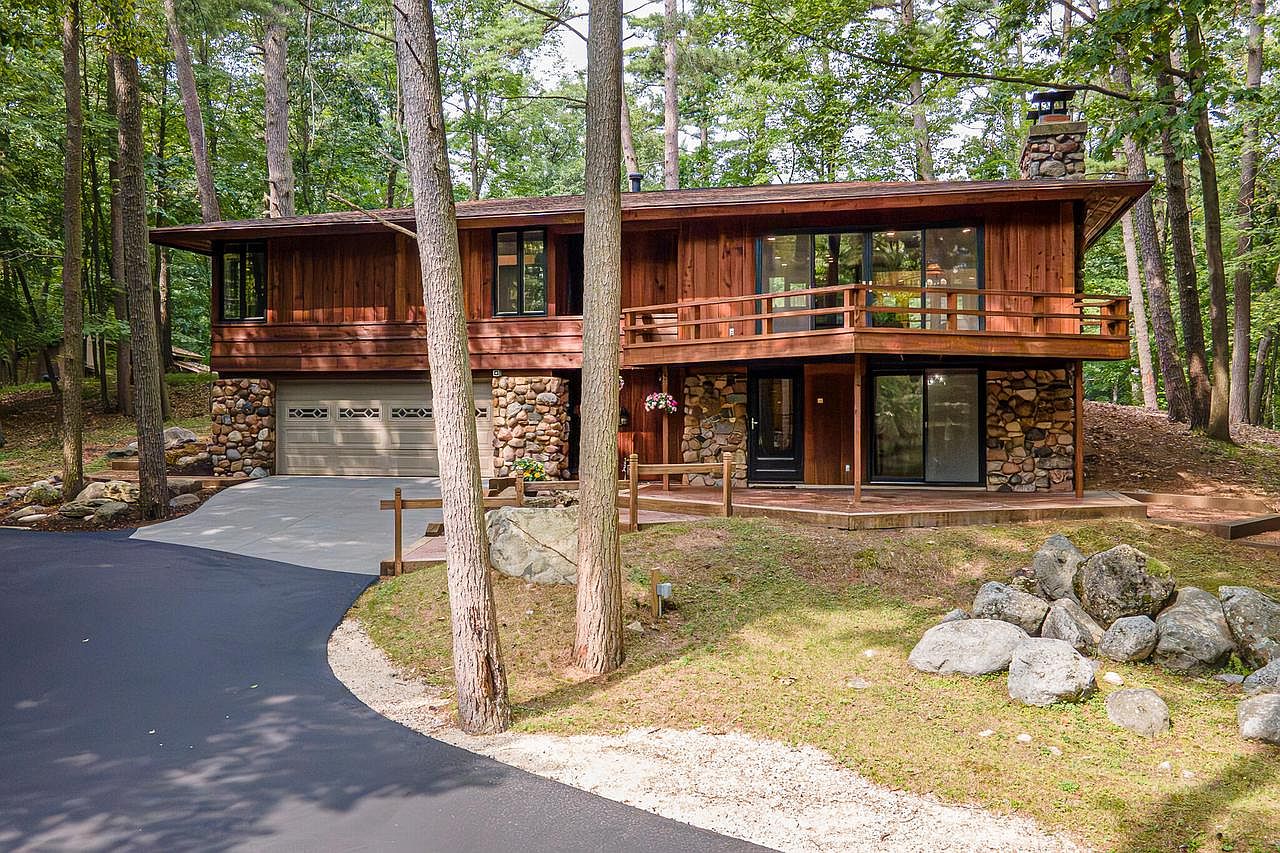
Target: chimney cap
x=635 y=178
x=1051 y=105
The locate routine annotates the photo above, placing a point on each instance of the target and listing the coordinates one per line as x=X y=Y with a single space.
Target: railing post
x=726 y=486
x=633 y=487
x=399 y=558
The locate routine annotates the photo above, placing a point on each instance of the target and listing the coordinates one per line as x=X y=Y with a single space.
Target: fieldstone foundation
x=715 y=422
x=242 y=436
x=531 y=419
x=1030 y=430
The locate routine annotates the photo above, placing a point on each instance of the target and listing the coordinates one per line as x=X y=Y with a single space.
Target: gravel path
x=792 y=799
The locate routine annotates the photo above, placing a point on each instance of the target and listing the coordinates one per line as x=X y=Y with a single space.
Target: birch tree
x=478 y=671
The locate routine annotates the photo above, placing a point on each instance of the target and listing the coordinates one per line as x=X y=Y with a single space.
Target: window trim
x=546 y=252
x=868 y=255
x=246 y=247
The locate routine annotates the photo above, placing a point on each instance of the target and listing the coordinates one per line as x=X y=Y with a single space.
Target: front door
x=774 y=430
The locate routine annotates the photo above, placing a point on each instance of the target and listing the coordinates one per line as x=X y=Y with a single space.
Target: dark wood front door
x=776 y=430
x=830 y=424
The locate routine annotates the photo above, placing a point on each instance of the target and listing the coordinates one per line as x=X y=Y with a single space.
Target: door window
x=928 y=427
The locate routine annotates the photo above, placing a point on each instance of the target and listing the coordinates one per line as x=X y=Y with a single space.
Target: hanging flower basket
x=660 y=401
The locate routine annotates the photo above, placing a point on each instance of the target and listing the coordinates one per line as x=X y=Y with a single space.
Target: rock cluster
x=242 y=437
x=1054 y=150
x=1119 y=604
x=1030 y=430
x=715 y=423
x=531 y=419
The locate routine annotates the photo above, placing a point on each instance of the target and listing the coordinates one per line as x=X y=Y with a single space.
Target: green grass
x=772 y=621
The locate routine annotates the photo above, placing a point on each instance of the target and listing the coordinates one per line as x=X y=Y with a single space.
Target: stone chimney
x=1055 y=143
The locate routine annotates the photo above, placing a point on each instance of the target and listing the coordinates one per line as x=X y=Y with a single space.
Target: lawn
x=773 y=621
x=33 y=448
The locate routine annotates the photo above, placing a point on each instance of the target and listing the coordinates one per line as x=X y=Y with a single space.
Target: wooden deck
x=891 y=507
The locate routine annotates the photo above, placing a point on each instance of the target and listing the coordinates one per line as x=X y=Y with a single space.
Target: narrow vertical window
x=520 y=281
x=243 y=279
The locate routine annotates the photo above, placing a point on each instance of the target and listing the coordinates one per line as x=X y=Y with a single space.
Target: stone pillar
x=1030 y=431
x=531 y=419
x=242 y=436
x=715 y=422
x=1054 y=150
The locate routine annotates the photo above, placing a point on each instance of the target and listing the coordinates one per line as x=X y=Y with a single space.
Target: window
x=799 y=261
x=951 y=262
x=520 y=286
x=243 y=271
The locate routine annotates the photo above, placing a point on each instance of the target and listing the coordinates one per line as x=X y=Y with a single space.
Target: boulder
x=113 y=490
x=32 y=519
x=967 y=647
x=111 y=511
x=176 y=435
x=1055 y=567
x=1130 y=638
x=180 y=501
x=29 y=510
x=954 y=616
x=540 y=545
x=1043 y=671
x=1254 y=620
x=43 y=493
x=1194 y=637
x=1000 y=601
x=1139 y=710
x=1067 y=621
x=1259 y=718
x=78 y=509
x=1122 y=581
x=1265 y=680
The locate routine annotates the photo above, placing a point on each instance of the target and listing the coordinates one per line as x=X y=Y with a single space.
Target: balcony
x=879 y=319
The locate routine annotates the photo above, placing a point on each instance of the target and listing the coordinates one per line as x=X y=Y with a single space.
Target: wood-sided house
x=905 y=333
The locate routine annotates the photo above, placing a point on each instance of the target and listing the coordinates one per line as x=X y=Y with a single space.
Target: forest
x=274 y=107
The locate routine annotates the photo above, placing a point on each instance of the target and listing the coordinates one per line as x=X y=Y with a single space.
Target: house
x=908 y=333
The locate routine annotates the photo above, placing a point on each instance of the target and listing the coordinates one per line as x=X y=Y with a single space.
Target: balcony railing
x=875 y=309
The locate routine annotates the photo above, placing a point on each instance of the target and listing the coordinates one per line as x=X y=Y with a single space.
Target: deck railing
x=880 y=309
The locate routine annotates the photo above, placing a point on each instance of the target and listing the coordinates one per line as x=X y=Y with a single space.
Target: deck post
x=519 y=488
x=726 y=484
x=859 y=366
x=664 y=381
x=399 y=564
x=633 y=488
x=1079 y=428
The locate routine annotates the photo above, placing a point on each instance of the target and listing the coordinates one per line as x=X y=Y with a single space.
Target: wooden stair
x=128 y=463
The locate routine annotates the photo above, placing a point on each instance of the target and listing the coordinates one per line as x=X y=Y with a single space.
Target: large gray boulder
x=1043 y=671
x=1254 y=620
x=967 y=647
x=111 y=511
x=1122 y=581
x=1259 y=718
x=1130 y=638
x=115 y=490
x=1067 y=621
x=1054 y=566
x=1139 y=710
x=539 y=545
x=176 y=435
x=1265 y=680
x=1194 y=637
x=1001 y=601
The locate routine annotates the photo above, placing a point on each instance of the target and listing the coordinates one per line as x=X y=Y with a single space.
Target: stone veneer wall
x=715 y=422
x=1054 y=150
x=1030 y=430
x=531 y=419
x=242 y=436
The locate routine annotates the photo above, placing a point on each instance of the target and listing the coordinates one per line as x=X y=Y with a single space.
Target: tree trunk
x=46 y=351
x=1219 y=426
x=153 y=498
x=72 y=373
x=919 y=118
x=629 y=157
x=1184 y=267
x=1242 y=290
x=275 y=53
x=119 y=297
x=478 y=672
x=1142 y=339
x=670 y=98
x=1259 y=376
x=598 y=642
x=209 y=208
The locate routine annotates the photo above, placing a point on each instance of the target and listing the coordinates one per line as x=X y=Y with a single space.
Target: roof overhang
x=1104 y=201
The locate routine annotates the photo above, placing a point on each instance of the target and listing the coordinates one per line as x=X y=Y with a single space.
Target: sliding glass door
x=928 y=427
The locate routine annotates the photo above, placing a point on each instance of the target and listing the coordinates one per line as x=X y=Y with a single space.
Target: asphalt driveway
x=319 y=522
x=162 y=697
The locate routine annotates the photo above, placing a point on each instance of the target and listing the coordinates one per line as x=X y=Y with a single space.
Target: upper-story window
x=911 y=269
x=520 y=286
x=242 y=271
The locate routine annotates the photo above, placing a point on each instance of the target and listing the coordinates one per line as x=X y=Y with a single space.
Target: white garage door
x=367 y=428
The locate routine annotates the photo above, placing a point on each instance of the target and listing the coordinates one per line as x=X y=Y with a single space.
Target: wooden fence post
x=633 y=488
x=519 y=488
x=399 y=566
x=726 y=485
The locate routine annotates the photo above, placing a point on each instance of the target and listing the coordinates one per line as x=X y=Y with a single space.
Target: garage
x=367 y=428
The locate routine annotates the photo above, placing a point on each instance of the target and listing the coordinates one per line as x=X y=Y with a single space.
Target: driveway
x=154 y=696
x=319 y=522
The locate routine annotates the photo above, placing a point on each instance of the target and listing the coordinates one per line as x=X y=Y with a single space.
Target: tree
x=275 y=53
x=598 y=640
x=1242 y=290
x=479 y=675
x=1142 y=339
x=153 y=498
x=670 y=99
x=919 y=118
x=210 y=211
x=71 y=375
